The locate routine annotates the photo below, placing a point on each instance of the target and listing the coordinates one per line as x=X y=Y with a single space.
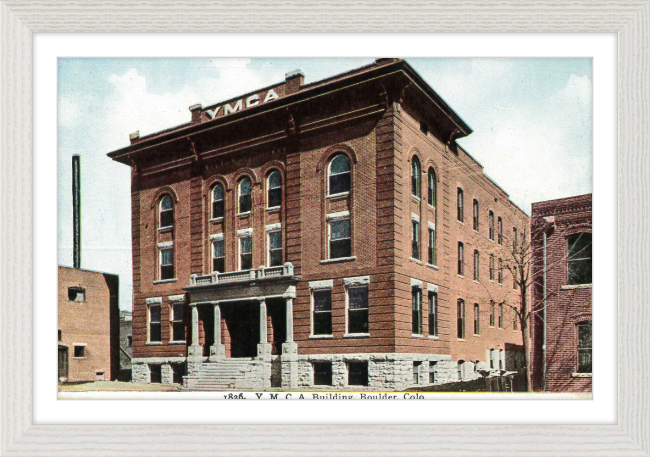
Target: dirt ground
x=105 y=386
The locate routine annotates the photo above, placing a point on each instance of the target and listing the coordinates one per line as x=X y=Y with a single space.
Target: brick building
x=565 y=226
x=319 y=234
x=88 y=325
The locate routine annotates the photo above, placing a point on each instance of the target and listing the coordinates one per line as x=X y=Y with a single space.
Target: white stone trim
x=273 y=227
x=176 y=298
x=356 y=281
x=432 y=225
x=159 y=359
x=244 y=232
x=216 y=237
x=323 y=284
x=153 y=301
x=432 y=288
x=415 y=217
x=166 y=244
x=417 y=283
x=339 y=215
x=80 y=344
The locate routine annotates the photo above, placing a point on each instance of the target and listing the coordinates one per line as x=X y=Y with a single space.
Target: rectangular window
x=178 y=371
x=476 y=266
x=514 y=238
x=154 y=323
x=475 y=212
x=155 y=374
x=584 y=347
x=358 y=373
x=433 y=314
x=491 y=223
x=129 y=341
x=80 y=351
x=461 y=262
x=322 y=312
x=167 y=263
x=493 y=313
x=416 y=323
x=178 y=328
x=500 y=271
x=60 y=335
x=459 y=204
x=76 y=294
x=358 y=309
x=245 y=253
x=579 y=259
x=340 y=242
x=219 y=256
x=416 y=372
x=461 y=319
x=322 y=373
x=275 y=249
x=500 y=315
x=500 y=230
x=432 y=247
x=491 y=267
x=415 y=240
x=432 y=372
x=477 y=320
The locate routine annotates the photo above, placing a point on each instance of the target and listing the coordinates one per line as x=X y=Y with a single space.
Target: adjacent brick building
x=565 y=226
x=88 y=325
x=353 y=198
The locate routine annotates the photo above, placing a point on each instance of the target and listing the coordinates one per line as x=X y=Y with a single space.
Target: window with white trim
x=154 y=323
x=274 y=183
x=432 y=246
x=476 y=265
x=322 y=311
x=459 y=204
x=358 y=309
x=415 y=177
x=500 y=230
x=477 y=319
x=340 y=242
x=275 y=248
x=460 y=318
x=245 y=252
x=475 y=213
x=415 y=239
x=166 y=209
x=491 y=225
x=219 y=256
x=579 y=258
x=432 y=187
x=166 y=263
x=177 y=325
x=245 y=195
x=492 y=267
x=416 y=313
x=339 y=176
x=217 y=201
x=493 y=313
x=433 y=314
x=583 y=332
x=461 y=262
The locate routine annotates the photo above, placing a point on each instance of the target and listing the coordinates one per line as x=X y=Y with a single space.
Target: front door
x=243 y=325
x=63 y=362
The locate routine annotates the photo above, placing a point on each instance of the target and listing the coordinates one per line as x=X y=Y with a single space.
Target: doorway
x=63 y=362
x=243 y=328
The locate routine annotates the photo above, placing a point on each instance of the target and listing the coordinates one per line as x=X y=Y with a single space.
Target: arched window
x=475 y=213
x=491 y=222
x=459 y=204
x=166 y=212
x=245 y=200
x=217 y=201
x=415 y=177
x=339 y=175
x=432 y=187
x=460 y=259
x=274 y=184
x=500 y=230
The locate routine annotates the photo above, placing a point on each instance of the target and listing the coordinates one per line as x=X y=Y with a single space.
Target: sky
x=532 y=123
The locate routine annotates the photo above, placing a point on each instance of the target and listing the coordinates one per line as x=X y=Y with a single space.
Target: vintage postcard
x=350 y=228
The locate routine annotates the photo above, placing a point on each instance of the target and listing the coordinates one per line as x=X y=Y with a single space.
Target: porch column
x=195 y=350
x=217 y=350
x=264 y=348
x=289 y=320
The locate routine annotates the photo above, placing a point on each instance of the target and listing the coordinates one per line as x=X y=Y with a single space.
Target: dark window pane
x=218 y=249
x=323 y=323
x=156 y=374
x=167 y=272
x=154 y=313
x=275 y=197
x=178 y=331
x=245 y=203
x=416 y=300
x=275 y=180
x=217 y=193
x=358 y=373
x=340 y=229
x=339 y=183
x=246 y=244
x=340 y=248
x=79 y=351
x=276 y=257
x=246 y=261
x=178 y=373
x=322 y=373
x=415 y=237
x=154 y=332
x=219 y=265
x=323 y=300
x=245 y=186
x=166 y=218
x=415 y=322
x=275 y=240
x=358 y=321
x=340 y=164
x=166 y=203
x=579 y=261
x=358 y=297
x=178 y=311
x=217 y=209
x=433 y=309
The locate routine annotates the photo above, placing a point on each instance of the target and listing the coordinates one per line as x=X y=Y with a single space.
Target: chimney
x=196 y=113
x=293 y=81
x=76 y=211
x=134 y=137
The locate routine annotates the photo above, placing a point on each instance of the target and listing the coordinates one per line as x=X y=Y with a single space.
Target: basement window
x=322 y=373
x=358 y=373
x=76 y=294
x=155 y=374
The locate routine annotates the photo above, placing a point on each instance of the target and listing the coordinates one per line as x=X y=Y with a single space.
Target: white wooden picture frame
x=630 y=19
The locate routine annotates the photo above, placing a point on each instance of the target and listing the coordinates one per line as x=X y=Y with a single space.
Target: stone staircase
x=228 y=374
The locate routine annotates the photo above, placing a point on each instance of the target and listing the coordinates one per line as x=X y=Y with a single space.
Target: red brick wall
x=94 y=322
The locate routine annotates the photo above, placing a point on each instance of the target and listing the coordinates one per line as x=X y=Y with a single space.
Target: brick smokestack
x=76 y=211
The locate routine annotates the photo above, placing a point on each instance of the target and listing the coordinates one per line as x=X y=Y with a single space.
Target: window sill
x=477 y=282
x=460 y=276
x=581 y=375
x=79 y=358
x=461 y=339
x=356 y=335
x=433 y=337
x=178 y=342
x=575 y=286
x=274 y=208
x=321 y=337
x=430 y=265
x=164 y=281
x=415 y=197
x=477 y=232
x=163 y=229
x=501 y=284
x=460 y=222
x=247 y=213
x=413 y=259
x=339 y=259
x=153 y=343
x=417 y=335
x=477 y=335
x=430 y=206
x=340 y=194
x=216 y=219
